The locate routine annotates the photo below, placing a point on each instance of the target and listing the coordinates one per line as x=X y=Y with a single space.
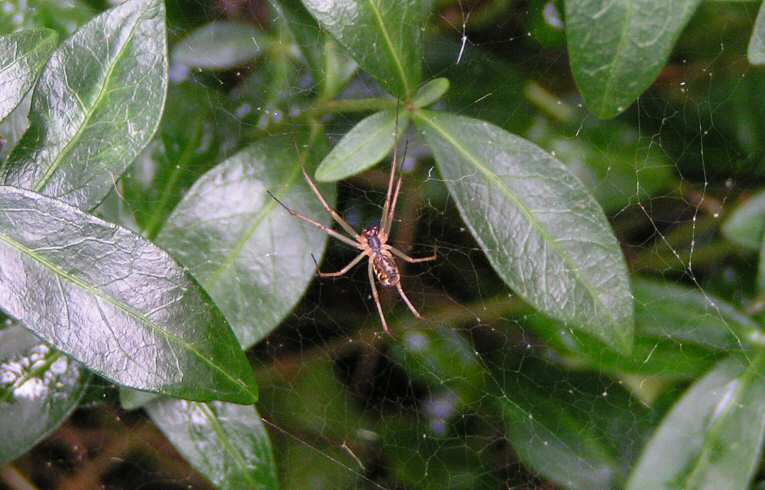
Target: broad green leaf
x=543 y=233
x=363 y=146
x=756 y=51
x=187 y=144
x=115 y=302
x=95 y=107
x=712 y=437
x=227 y=443
x=220 y=45
x=22 y=56
x=746 y=224
x=692 y=316
x=430 y=92
x=610 y=159
x=617 y=48
x=250 y=255
x=578 y=431
x=330 y=65
x=385 y=38
x=39 y=388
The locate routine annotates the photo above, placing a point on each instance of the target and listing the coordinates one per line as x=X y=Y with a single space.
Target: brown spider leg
x=341 y=271
x=408 y=303
x=335 y=215
x=376 y=297
x=318 y=225
x=388 y=222
x=411 y=260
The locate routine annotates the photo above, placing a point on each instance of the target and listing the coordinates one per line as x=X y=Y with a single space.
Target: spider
x=372 y=242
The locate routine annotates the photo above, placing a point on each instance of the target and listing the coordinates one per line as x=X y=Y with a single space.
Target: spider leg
x=376 y=297
x=318 y=225
x=335 y=215
x=408 y=303
x=388 y=221
x=412 y=260
x=341 y=271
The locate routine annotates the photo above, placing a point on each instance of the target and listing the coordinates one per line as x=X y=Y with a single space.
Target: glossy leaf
x=22 y=56
x=712 y=437
x=431 y=92
x=115 y=302
x=543 y=233
x=220 y=45
x=756 y=51
x=618 y=48
x=39 y=388
x=252 y=256
x=95 y=107
x=746 y=224
x=366 y=144
x=187 y=144
x=227 y=443
x=384 y=38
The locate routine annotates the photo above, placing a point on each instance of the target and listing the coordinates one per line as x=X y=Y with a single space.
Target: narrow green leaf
x=39 y=388
x=96 y=105
x=385 y=38
x=712 y=437
x=227 y=443
x=249 y=254
x=22 y=56
x=115 y=302
x=542 y=232
x=618 y=48
x=430 y=92
x=220 y=45
x=756 y=51
x=746 y=224
x=363 y=146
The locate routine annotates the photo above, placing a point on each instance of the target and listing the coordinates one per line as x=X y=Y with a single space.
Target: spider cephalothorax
x=372 y=243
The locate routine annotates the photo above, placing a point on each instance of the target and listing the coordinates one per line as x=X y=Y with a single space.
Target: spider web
x=348 y=407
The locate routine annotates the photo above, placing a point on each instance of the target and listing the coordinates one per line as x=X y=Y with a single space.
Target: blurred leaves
x=618 y=49
x=384 y=38
x=22 y=56
x=39 y=388
x=96 y=105
x=430 y=92
x=756 y=51
x=746 y=224
x=83 y=288
x=712 y=437
x=225 y=442
x=220 y=45
x=540 y=229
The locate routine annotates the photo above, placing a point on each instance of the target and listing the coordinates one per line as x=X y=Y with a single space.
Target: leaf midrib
x=525 y=211
x=89 y=111
x=389 y=45
x=604 y=106
x=127 y=310
x=228 y=446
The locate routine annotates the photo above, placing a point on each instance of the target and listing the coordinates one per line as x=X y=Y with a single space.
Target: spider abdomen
x=385 y=269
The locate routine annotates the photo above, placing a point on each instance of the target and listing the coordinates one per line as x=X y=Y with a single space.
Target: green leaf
x=712 y=437
x=578 y=431
x=115 y=302
x=95 y=107
x=250 y=255
x=187 y=144
x=618 y=48
x=39 y=388
x=220 y=45
x=746 y=224
x=22 y=56
x=543 y=233
x=366 y=144
x=227 y=443
x=385 y=38
x=430 y=92
x=756 y=51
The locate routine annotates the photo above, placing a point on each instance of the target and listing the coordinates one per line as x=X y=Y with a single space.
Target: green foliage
x=609 y=274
